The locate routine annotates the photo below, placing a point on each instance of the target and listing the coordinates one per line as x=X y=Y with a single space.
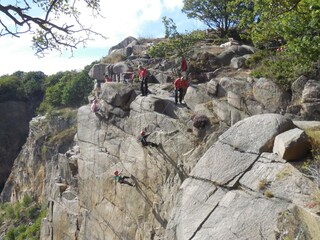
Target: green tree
x=177 y=44
x=43 y=18
x=11 y=88
x=33 y=83
x=292 y=23
x=214 y=13
x=76 y=91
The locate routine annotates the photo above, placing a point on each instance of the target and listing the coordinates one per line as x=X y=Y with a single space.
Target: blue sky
x=122 y=18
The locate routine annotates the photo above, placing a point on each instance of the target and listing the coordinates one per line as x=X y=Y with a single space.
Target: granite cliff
x=227 y=177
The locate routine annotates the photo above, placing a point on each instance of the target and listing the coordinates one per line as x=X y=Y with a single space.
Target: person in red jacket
x=142 y=73
x=184 y=67
x=178 y=90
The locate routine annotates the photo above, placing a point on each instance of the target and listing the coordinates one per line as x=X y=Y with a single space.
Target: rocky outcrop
x=36 y=167
x=239 y=189
x=197 y=179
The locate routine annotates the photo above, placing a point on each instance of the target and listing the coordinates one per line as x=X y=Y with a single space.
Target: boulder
x=297 y=87
x=270 y=95
x=310 y=111
x=238 y=62
x=225 y=57
x=311 y=92
x=240 y=86
x=129 y=41
x=196 y=95
x=292 y=144
x=229 y=165
x=256 y=134
x=227 y=113
x=118 y=95
x=212 y=87
x=98 y=71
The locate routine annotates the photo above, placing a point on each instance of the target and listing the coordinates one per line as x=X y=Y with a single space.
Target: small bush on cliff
x=200 y=121
x=279 y=67
x=19 y=216
x=176 y=43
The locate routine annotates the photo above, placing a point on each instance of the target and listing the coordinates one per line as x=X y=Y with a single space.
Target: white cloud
x=122 y=18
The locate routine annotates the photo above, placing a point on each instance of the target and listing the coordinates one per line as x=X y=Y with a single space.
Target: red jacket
x=184 y=83
x=142 y=73
x=184 y=65
x=177 y=83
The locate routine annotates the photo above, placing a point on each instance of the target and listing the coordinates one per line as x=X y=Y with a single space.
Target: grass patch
x=268 y=194
x=262 y=184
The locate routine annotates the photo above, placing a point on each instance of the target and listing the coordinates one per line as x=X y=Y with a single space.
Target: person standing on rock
x=178 y=90
x=142 y=73
x=184 y=85
x=121 y=179
x=184 y=67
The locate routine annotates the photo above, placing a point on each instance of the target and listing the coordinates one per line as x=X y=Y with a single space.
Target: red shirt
x=184 y=83
x=142 y=73
x=183 y=65
x=177 y=83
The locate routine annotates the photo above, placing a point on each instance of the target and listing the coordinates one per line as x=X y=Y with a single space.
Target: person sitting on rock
x=143 y=139
x=121 y=179
x=95 y=106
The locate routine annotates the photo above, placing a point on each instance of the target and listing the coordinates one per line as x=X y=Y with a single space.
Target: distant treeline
x=63 y=89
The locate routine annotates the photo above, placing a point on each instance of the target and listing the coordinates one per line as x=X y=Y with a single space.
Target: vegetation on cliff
x=24 y=219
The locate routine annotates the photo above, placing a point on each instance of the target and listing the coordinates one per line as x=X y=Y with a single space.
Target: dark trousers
x=144 y=87
x=178 y=93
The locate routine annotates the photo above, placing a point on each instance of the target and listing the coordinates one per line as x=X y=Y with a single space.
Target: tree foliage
x=43 y=18
x=295 y=24
x=214 y=13
x=176 y=44
x=67 y=89
x=21 y=86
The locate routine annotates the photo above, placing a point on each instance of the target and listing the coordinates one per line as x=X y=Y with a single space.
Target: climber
x=95 y=106
x=97 y=88
x=184 y=67
x=107 y=78
x=58 y=179
x=184 y=85
x=121 y=179
x=142 y=73
x=180 y=85
x=143 y=139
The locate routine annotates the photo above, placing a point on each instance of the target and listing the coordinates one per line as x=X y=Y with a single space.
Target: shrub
x=278 y=67
x=268 y=194
x=11 y=234
x=262 y=184
x=26 y=201
x=200 y=121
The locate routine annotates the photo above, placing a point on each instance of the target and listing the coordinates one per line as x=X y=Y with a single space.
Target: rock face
x=195 y=184
x=238 y=189
x=213 y=168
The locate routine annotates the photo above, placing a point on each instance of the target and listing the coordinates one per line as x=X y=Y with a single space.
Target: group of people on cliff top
x=180 y=84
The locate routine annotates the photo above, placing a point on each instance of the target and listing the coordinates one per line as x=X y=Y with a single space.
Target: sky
x=121 y=18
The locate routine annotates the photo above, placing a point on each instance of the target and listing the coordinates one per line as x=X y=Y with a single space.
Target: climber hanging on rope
x=143 y=139
x=121 y=179
x=95 y=106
